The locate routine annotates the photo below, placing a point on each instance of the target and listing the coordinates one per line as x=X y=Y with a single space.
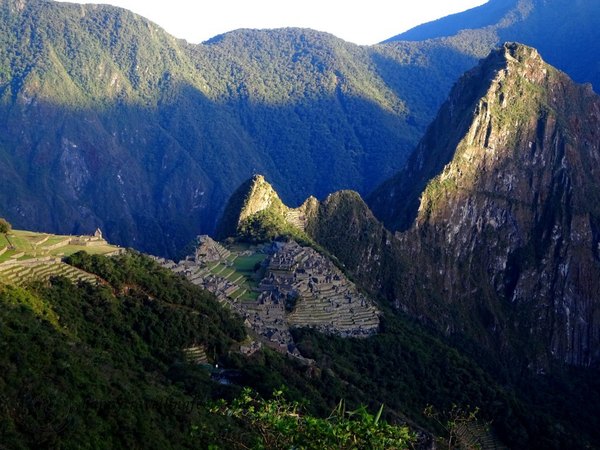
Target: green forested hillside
x=106 y=120
x=105 y=366
x=87 y=366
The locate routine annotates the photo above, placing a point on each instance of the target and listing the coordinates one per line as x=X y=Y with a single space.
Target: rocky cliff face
x=505 y=238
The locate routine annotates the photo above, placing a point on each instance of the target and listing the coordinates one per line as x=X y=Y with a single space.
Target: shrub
x=279 y=424
x=5 y=226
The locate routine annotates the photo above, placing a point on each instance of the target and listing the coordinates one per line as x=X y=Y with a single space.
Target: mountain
x=563 y=31
x=108 y=121
x=181 y=135
x=499 y=208
x=255 y=212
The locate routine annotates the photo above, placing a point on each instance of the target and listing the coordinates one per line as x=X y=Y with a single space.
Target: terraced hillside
x=27 y=255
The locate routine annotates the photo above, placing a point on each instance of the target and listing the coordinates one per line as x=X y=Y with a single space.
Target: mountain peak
x=510 y=73
x=260 y=196
x=504 y=187
x=253 y=196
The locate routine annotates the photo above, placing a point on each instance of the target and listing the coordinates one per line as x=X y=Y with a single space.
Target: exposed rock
x=503 y=241
x=255 y=196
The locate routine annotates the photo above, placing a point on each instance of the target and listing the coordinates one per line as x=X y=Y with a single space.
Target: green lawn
x=247 y=263
x=216 y=268
x=227 y=273
x=54 y=240
x=6 y=256
x=249 y=296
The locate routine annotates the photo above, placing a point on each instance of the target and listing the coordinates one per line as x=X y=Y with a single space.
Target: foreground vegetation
x=104 y=366
x=280 y=424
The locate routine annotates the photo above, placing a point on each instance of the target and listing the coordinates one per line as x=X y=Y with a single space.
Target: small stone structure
x=210 y=251
x=88 y=241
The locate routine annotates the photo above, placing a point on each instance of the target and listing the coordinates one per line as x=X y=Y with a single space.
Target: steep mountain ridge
x=505 y=234
x=488 y=14
x=435 y=149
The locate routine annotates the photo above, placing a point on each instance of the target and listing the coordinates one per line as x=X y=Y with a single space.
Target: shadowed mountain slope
x=107 y=121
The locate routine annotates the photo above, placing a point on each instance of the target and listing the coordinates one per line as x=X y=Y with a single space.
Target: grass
x=3 y=241
x=31 y=242
x=246 y=264
x=55 y=240
x=248 y=296
x=92 y=250
x=227 y=273
x=216 y=269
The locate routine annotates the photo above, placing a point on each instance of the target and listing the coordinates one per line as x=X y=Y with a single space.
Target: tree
x=5 y=226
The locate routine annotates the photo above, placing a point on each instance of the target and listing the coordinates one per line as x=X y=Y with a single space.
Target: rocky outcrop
x=257 y=196
x=504 y=240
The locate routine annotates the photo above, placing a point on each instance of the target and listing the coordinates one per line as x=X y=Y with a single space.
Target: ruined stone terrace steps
x=314 y=317
x=476 y=435
x=313 y=314
x=196 y=355
x=19 y=274
x=295 y=218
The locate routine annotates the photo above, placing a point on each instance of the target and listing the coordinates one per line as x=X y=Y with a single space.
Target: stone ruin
x=300 y=288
